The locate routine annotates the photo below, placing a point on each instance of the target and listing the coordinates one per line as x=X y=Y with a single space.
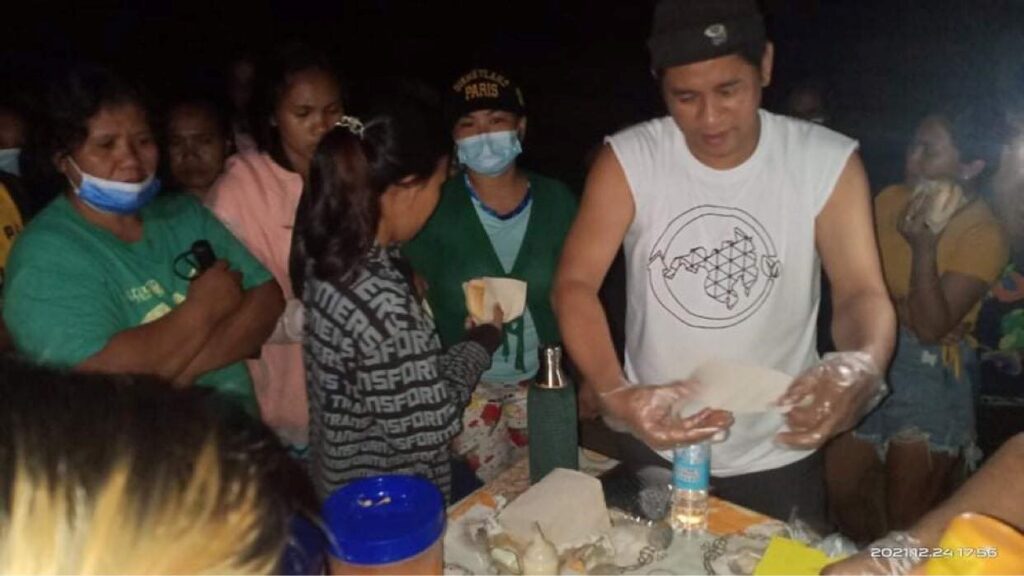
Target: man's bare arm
x=605 y=214
x=863 y=316
x=648 y=412
x=841 y=388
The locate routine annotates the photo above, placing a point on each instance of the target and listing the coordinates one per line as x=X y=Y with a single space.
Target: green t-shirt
x=71 y=286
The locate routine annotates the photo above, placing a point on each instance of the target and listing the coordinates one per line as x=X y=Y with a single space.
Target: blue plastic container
x=306 y=552
x=386 y=525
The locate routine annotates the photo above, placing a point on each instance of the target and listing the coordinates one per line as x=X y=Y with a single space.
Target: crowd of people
x=286 y=264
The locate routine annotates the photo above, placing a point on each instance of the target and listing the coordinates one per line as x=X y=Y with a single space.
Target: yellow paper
x=785 y=556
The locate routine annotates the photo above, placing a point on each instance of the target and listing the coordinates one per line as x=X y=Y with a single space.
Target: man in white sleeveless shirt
x=724 y=210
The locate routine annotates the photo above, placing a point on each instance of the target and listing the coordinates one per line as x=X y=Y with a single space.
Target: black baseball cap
x=483 y=89
x=688 y=31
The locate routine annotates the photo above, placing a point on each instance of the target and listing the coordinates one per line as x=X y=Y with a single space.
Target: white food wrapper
x=939 y=200
x=483 y=293
x=738 y=388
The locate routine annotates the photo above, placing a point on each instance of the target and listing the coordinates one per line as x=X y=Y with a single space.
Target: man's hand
x=653 y=415
x=830 y=398
x=218 y=290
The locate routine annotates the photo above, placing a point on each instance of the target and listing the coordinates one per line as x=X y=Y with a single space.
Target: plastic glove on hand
x=893 y=554
x=653 y=415
x=830 y=398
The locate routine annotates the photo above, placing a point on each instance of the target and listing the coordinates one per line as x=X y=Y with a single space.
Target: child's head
x=372 y=180
x=103 y=474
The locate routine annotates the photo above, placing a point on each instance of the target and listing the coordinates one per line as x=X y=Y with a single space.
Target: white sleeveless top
x=722 y=264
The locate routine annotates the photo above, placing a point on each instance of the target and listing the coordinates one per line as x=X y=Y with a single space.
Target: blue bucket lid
x=384 y=519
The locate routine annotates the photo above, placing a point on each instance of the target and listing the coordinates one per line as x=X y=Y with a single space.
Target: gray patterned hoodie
x=383 y=396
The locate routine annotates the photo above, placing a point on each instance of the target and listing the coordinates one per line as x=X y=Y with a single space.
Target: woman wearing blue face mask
x=104 y=279
x=495 y=219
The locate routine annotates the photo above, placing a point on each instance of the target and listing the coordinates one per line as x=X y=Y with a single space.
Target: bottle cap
x=550 y=375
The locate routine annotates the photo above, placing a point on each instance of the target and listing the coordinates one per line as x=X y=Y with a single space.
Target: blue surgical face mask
x=115 y=197
x=490 y=153
x=9 y=160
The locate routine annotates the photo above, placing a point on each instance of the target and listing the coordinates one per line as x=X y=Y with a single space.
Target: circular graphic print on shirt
x=713 y=267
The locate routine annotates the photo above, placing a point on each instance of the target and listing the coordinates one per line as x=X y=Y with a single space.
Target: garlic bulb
x=540 y=556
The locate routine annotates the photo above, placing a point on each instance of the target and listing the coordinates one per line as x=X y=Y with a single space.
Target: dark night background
x=583 y=64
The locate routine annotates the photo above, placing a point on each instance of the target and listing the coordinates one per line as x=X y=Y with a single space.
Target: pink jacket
x=257 y=199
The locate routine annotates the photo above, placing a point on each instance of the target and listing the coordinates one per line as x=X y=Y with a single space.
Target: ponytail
x=354 y=164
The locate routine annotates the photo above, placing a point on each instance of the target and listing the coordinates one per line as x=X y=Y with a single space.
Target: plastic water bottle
x=691 y=471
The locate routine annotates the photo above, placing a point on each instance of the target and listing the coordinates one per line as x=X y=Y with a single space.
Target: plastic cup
x=386 y=525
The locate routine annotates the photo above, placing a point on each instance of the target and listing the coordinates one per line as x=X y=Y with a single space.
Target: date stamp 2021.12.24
x=922 y=553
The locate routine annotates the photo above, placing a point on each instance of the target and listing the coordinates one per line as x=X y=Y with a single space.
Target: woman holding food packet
x=384 y=397
x=496 y=237
x=941 y=249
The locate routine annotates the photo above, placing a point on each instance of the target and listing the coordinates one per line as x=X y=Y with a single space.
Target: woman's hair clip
x=353 y=124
